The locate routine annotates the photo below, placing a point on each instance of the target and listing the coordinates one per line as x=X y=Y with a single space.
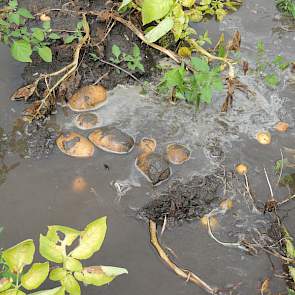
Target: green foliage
x=77 y=35
x=290 y=251
x=54 y=247
x=174 y=15
x=286 y=6
x=194 y=87
x=268 y=69
x=23 y=41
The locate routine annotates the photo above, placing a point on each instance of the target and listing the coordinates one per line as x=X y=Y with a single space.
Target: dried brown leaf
x=235 y=43
x=24 y=93
x=264 y=289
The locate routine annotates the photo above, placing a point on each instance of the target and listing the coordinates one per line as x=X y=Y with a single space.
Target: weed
x=286 y=6
x=68 y=269
x=194 y=87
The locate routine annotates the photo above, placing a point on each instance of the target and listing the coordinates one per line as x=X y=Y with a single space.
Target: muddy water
x=35 y=194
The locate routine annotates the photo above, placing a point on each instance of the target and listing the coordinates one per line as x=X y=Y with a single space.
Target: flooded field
x=35 y=193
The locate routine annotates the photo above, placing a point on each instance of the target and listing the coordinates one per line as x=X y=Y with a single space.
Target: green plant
x=162 y=17
x=268 y=69
x=290 y=251
x=77 y=35
x=286 y=6
x=195 y=87
x=23 y=41
x=67 y=268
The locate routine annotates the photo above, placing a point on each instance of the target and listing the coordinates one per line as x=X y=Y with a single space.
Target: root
x=185 y=274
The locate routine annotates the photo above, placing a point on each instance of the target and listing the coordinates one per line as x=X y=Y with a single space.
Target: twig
x=187 y=275
x=269 y=185
x=282 y=167
x=101 y=78
x=286 y=201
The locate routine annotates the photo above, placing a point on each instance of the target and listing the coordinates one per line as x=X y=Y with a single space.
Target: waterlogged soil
x=36 y=180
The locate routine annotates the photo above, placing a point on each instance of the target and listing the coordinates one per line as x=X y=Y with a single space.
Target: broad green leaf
x=200 y=64
x=155 y=10
x=13 y=4
x=91 y=239
x=70 y=234
x=71 y=285
x=57 y=274
x=38 y=34
x=55 y=291
x=19 y=255
x=46 y=25
x=99 y=275
x=14 y=18
x=36 y=275
x=45 y=53
x=206 y=94
x=124 y=3
x=291 y=292
x=187 y=3
x=5 y=283
x=195 y=15
x=69 y=39
x=116 y=51
x=54 y=36
x=72 y=264
x=50 y=250
x=25 y=13
x=160 y=30
x=271 y=80
x=21 y=51
x=13 y=292
x=136 y=51
x=292 y=272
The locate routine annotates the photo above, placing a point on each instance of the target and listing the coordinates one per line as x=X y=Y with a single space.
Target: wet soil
x=35 y=194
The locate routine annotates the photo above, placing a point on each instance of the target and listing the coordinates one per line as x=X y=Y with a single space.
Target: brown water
x=35 y=194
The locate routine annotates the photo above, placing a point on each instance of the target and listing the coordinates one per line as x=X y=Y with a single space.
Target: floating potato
x=242 y=168
x=282 y=126
x=75 y=145
x=79 y=184
x=86 y=121
x=154 y=167
x=177 y=154
x=88 y=98
x=263 y=137
x=44 y=18
x=147 y=145
x=111 y=139
x=226 y=204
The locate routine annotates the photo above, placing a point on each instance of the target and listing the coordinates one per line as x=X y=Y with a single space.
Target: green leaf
x=13 y=4
x=291 y=292
x=25 y=13
x=69 y=39
x=187 y=3
x=292 y=272
x=91 y=239
x=5 y=283
x=55 y=291
x=206 y=94
x=46 y=25
x=38 y=34
x=71 y=285
x=271 y=80
x=136 y=51
x=14 y=18
x=116 y=51
x=54 y=36
x=57 y=274
x=99 y=275
x=160 y=30
x=36 y=275
x=72 y=264
x=19 y=255
x=21 y=51
x=13 y=292
x=124 y=4
x=200 y=64
x=155 y=10
x=45 y=53
x=50 y=250
x=70 y=234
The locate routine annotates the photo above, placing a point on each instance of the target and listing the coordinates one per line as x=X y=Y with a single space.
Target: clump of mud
x=184 y=201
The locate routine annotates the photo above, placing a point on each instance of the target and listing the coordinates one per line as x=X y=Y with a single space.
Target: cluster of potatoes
x=154 y=166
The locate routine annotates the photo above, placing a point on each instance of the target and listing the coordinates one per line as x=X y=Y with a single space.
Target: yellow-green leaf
x=70 y=234
x=71 y=285
x=99 y=275
x=187 y=3
x=13 y=292
x=57 y=274
x=55 y=291
x=19 y=255
x=36 y=275
x=155 y=10
x=5 y=283
x=160 y=30
x=72 y=264
x=50 y=250
x=91 y=239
